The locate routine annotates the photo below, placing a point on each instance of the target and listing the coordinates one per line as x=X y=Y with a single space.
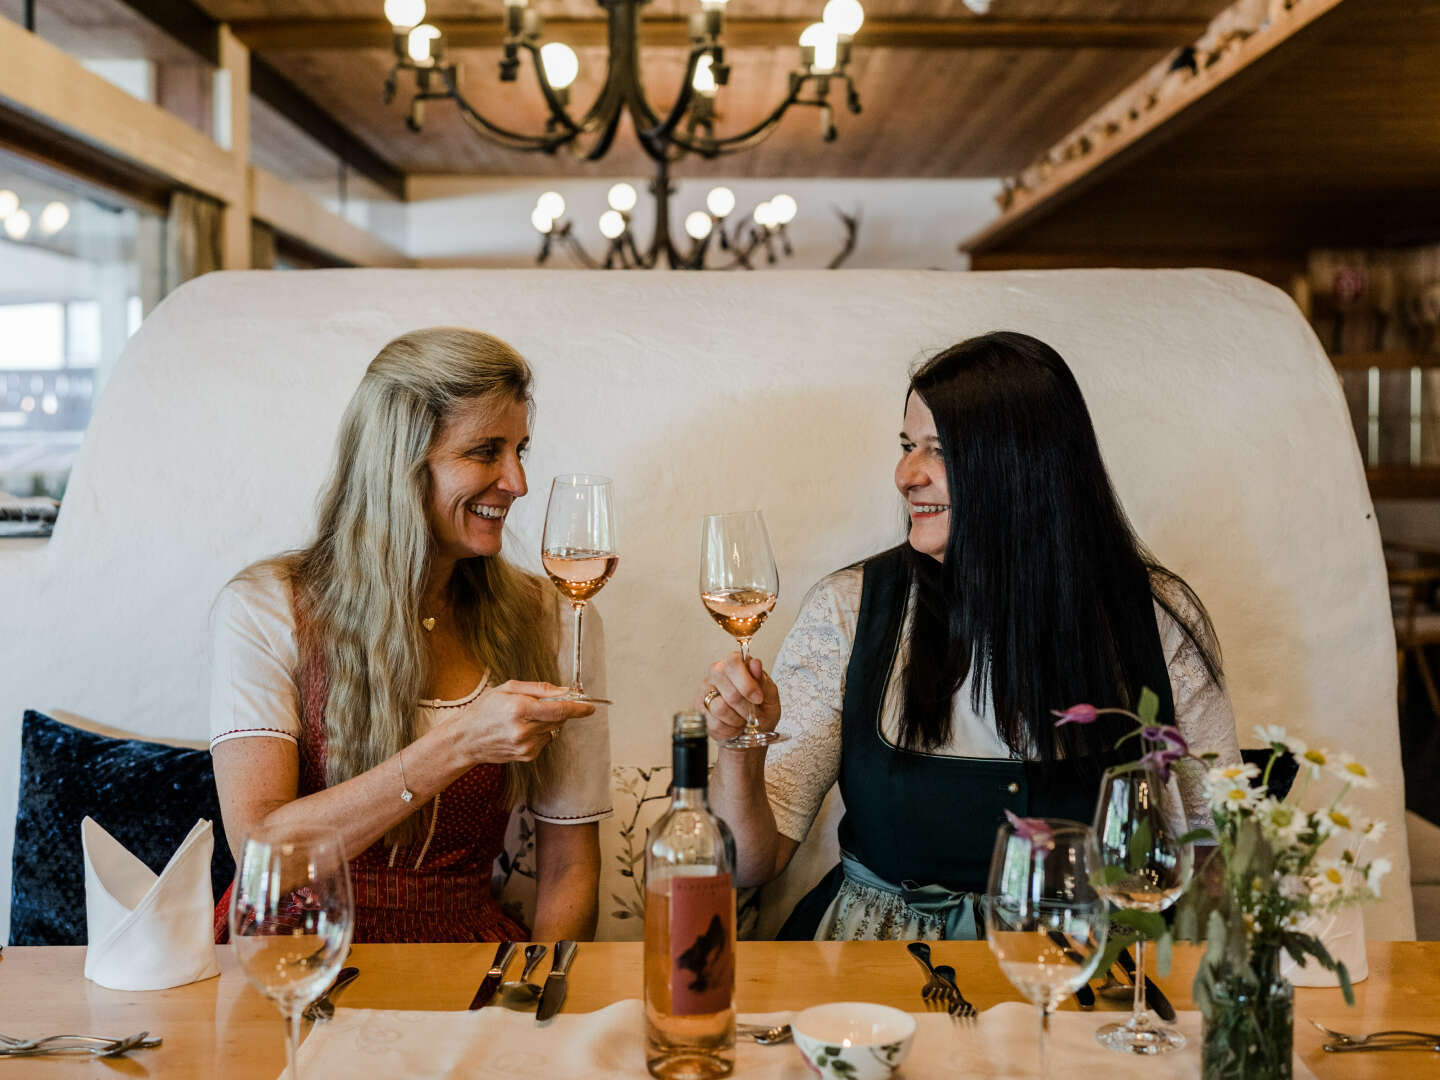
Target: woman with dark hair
x=923 y=679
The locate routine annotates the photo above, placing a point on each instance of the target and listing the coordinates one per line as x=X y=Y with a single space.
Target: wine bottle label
x=702 y=950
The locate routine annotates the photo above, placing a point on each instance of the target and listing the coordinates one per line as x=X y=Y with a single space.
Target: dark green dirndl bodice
x=924 y=823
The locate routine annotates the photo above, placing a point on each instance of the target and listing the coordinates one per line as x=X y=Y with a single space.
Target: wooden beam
x=281 y=35
x=291 y=212
x=1389 y=360
x=234 y=99
x=1277 y=267
x=1164 y=120
x=1403 y=482
x=273 y=88
x=43 y=83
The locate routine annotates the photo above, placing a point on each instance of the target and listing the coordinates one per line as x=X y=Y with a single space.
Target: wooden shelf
x=1389 y=360
x=1404 y=482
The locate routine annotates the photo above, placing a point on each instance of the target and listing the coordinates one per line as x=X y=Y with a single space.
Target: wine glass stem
x=292 y=1042
x=1040 y=1046
x=577 y=684
x=1137 y=1013
x=752 y=722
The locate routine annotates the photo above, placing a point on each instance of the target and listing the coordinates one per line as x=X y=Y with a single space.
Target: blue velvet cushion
x=148 y=796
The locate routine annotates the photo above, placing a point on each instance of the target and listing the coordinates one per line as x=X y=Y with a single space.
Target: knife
x=553 y=996
x=493 y=978
x=1154 y=999
x=1083 y=994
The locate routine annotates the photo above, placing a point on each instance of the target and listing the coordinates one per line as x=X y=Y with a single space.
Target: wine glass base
x=753 y=740
x=587 y=699
x=1142 y=1038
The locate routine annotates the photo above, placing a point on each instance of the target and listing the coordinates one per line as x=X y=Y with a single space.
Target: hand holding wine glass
x=580 y=552
x=1139 y=823
x=1042 y=911
x=292 y=916
x=739 y=585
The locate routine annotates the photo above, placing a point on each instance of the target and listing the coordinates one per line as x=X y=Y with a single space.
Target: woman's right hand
x=510 y=723
x=740 y=690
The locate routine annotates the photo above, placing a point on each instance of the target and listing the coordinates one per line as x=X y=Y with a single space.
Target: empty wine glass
x=1139 y=822
x=739 y=585
x=292 y=915
x=1045 y=921
x=580 y=551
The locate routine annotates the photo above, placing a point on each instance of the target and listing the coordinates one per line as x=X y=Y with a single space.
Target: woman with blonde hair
x=389 y=681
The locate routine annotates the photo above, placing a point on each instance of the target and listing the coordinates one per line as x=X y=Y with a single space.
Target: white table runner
x=497 y=1044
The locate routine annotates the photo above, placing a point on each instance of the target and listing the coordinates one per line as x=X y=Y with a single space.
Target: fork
x=939 y=989
x=103 y=1048
x=961 y=1008
x=1362 y=1040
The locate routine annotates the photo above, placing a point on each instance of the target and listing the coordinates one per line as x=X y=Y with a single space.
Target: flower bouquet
x=1275 y=865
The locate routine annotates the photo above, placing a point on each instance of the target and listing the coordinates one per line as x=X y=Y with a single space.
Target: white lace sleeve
x=1202 y=707
x=810 y=673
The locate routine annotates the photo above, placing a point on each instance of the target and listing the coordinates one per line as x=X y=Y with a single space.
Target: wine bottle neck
x=691 y=759
x=690 y=798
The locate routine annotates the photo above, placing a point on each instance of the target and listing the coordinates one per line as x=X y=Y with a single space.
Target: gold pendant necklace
x=428 y=624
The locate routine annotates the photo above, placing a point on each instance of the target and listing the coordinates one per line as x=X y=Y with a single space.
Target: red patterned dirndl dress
x=437 y=889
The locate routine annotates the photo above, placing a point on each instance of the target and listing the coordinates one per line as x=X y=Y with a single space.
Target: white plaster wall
x=1220 y=419
x=904 y=224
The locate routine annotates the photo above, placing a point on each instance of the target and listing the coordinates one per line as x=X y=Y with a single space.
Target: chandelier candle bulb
x=612 y=224
x=17 y=224
x=404 y=14
x=845 y=17
x=542 y=221
x=9 y=203
x=54 y=217
x=560 y=63
x=704 y=81
x=698 y=224
x=783 y=209
x=823 y=41
x=622 y=197
x=720 y=201
x=552 y=203
x=419 y=43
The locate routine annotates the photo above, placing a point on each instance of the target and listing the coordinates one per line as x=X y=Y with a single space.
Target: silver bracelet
x=405 y=793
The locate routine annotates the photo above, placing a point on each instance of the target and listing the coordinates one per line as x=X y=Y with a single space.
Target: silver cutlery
x=553 y=996
x=961 y=1009
x=323 y=1007
x=944 y=991
x=93 y=1045
x=1376 y=1047
x=523 y=994
x=495 y=976
x=1361 y=1040
x=765 y=1036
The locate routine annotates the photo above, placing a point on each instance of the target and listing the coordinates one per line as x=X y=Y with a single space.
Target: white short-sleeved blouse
x=810 y=670
x=254 y=693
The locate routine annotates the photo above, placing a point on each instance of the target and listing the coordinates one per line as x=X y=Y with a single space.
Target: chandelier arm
x=852 y=231
x=557 y=108
x=577 y=249
x=646 y=121
x=753 y=136
x=515 y=140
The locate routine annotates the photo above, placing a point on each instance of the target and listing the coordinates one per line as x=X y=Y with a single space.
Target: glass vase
x=1249 y=1028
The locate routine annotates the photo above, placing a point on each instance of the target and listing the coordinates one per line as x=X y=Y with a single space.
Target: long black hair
x=1044 y=590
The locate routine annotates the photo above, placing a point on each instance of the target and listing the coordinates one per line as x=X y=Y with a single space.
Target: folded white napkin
x=148 y=932
x=610 y=1045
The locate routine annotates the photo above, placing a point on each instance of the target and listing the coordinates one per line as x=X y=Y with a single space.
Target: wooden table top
x=223 y=1028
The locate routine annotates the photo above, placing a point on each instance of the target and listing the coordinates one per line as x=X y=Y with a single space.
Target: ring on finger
x=554 y=733
x=710 y=695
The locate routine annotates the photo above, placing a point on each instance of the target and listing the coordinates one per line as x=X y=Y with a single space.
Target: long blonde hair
x=364 y=575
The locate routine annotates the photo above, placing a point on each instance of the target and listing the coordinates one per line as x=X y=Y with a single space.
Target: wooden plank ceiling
x=1335 y=146
x=931 y=109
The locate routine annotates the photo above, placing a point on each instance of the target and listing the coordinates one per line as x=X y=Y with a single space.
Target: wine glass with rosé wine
x=580 y=552
x=739 y=585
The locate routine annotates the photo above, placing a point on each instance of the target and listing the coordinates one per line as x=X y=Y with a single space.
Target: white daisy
x=1273 y=735
x=1351 y=771
x=1238 y=796
x=1315 y=757
x=1375 y=830
x=1328 y=882
x=1283 y=823
x=1340 y=817
x=1374 y=872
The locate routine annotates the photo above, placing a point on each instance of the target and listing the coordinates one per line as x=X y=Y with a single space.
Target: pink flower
x=1076 y=714
x=1032 y=829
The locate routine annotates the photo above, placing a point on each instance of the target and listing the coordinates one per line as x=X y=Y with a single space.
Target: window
x=78 y=270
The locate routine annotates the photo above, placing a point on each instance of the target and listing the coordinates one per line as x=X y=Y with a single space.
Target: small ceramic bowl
x=853 y=1040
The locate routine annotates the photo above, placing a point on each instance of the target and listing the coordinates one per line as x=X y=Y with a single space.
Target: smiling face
x=920 y=476
x=476 y=471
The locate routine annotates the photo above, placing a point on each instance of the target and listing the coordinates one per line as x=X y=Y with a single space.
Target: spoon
x=524 y=993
